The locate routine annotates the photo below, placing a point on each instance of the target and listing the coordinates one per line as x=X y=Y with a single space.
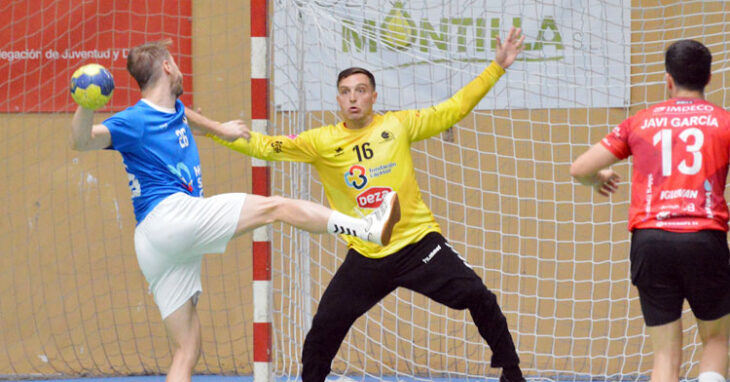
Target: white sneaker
x=380 y=222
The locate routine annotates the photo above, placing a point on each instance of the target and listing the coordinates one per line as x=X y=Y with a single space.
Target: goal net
x=555 y=253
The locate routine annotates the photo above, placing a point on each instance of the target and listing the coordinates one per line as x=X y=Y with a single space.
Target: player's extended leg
x=303 y=214
x=312 y=217
x=438 y=272
x=356 y=286
x=714 y=359
x=183 y=329
x=666 y=343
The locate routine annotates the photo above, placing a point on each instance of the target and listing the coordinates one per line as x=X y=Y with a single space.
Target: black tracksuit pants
x=430 y=267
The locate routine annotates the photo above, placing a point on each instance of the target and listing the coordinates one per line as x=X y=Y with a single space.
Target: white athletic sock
x=343 y=224
x=710 y=376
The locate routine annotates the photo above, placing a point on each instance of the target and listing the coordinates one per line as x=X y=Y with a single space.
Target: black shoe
x=511 y=374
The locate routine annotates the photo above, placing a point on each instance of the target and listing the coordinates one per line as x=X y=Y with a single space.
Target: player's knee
x=715 y=335
x=474 y=294
x=330 y=324
x=715 y=330
x=273 y=208
x=188 y=354
x=715 y=338
x=192 y=354
x=323 y=320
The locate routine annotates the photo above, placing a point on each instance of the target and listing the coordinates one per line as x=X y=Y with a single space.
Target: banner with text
x=43 y=42
x=576 y=53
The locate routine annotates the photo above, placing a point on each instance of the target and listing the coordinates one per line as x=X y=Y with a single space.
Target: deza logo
x=372 y=197
x=398 y=31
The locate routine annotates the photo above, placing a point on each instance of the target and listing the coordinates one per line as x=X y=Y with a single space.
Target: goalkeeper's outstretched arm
x=430 y=121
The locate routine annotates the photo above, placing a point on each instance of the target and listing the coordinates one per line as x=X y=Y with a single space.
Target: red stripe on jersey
x=681 y=149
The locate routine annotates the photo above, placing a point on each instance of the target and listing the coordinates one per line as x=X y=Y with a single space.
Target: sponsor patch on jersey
x=384 y=169
x=678 y=193
x=183 y=172
x=276 y=145
x=356 y=177
x=684 y=107
x=372 y=197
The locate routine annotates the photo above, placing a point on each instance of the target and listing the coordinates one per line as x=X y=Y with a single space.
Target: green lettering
x=439 y=40
x=461 y=24
x=494 y=34
x=481 y=32
x=350 y=37
x=398 y=30
x=516 y=22
x=548 y=23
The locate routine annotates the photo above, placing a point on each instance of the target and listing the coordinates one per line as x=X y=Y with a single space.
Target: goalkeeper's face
x=356 y=96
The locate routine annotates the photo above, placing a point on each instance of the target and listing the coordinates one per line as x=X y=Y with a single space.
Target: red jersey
x=681 y=149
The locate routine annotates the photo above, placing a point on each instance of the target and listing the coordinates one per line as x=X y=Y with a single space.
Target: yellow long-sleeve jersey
x=357 y=166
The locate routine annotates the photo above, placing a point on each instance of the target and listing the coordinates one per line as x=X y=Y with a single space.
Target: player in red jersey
x=678 y=215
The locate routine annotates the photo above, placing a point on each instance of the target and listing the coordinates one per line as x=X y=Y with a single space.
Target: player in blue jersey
x=176 y=225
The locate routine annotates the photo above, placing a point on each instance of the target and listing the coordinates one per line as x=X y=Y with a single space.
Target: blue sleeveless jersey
x=159 y=153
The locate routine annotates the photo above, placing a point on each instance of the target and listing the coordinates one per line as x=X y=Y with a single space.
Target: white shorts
x=171 y=240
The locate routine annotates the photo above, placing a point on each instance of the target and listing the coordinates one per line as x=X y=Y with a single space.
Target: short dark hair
x=689 y=62
x=355 y=70
x=144 y=61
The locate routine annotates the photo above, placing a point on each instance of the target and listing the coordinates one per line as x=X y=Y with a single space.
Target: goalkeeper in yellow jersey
x=362 y=159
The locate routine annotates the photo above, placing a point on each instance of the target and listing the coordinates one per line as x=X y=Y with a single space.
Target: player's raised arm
x=433 y=120
x=91 y=88
x=85 y=135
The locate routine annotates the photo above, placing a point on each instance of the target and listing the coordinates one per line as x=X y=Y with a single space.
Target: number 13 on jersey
x=693 y=138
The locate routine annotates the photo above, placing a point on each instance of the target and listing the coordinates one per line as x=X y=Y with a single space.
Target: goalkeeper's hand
x=507 y=52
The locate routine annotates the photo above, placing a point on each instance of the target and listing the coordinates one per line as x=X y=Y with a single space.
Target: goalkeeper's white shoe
x=380 y=222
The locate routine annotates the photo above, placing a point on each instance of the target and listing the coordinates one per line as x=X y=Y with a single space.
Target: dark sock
x=512 y=373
